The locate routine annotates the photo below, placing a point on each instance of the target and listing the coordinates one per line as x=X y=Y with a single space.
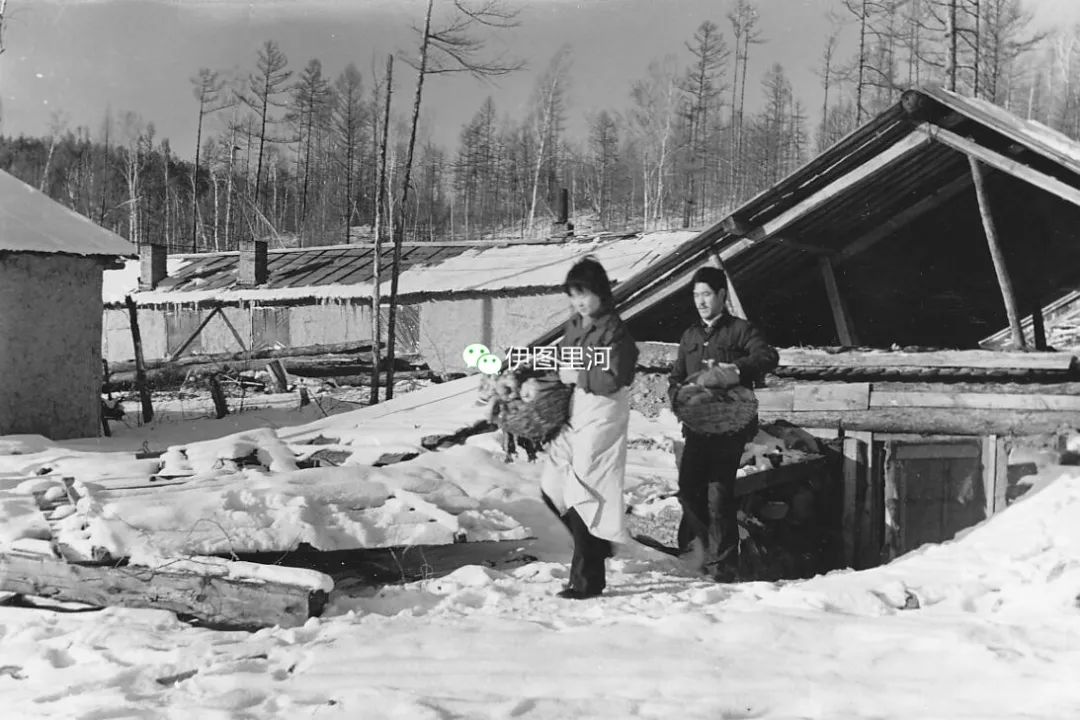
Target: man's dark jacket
x=729 y=340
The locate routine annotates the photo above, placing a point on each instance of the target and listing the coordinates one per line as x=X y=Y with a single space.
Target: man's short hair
x=711 y=276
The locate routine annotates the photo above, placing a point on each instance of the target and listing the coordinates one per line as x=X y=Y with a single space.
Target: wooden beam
x=997 y=254
x=235 y=334
x=984 y=359
x=672 y=284
x=893 y=224
x=1007 y=165
x=975 y=401
x=796 y=245
x=734 y=305
x=861 y=174
x=212 y=596
x=836 y=303
x=195 y=334
x=931 y=421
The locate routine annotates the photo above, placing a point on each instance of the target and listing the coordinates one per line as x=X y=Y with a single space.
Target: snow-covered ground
x=986 y=626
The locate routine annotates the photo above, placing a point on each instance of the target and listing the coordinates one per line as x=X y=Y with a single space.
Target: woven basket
x=732 y=411
x=539 y=420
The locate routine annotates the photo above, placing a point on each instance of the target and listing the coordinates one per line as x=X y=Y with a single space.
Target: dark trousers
x=587 y=572
x=707 y=495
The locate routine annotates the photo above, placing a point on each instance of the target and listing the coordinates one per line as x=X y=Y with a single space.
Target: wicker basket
x=732 y=411
x=539 y=420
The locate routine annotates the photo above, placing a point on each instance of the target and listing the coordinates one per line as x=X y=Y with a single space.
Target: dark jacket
x=606 y=331
x=729 y=340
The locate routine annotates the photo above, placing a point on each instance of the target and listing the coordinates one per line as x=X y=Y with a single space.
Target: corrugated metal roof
x=31 y=221
x=345 y=272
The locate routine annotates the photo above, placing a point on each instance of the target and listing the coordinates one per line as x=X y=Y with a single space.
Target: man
x=709 y=531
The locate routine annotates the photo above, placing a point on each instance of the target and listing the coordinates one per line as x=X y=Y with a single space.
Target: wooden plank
x=841 y=318
x=892 y=540
x=979 y=401
x=995 y=463
x=775 y=400
x=215 y=599
x=872 y=509
x=1002 y=163
x=928 y=451
x=893 y=224
x=793 y=472
x=931 y=421
x=854 y=451
x=831 y=396
x=997 y=255
x=989 y=359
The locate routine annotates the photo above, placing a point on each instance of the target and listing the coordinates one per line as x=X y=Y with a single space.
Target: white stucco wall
x=50 y=345
x=448 y=326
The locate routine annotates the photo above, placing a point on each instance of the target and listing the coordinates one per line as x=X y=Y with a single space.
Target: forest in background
x=292 y=154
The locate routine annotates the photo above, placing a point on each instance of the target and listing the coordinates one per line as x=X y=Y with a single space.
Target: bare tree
x=549 y=99
x=264 y=86
x=207 y=88
x=57 y=123
x=445 y=48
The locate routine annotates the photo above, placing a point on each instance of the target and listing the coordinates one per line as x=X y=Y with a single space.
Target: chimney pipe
x=152 y=266
x=252 y=269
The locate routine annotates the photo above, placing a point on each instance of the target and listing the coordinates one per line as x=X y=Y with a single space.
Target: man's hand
x=568 y=376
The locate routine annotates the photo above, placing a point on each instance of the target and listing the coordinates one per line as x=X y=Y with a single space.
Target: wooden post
x=221 y=408
x=996 y=254
x=836 y=303
x=376 y=313
x=1038 y=325
x=995 y=462
x=140 y=367
x=280 y=377
x=854 y=471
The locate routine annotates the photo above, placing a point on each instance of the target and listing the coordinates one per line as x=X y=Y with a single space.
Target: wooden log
x=140 y=368
x=215 y=599
x=997 y=254
x=932 y=421
x=986 y=359
x=349 y=348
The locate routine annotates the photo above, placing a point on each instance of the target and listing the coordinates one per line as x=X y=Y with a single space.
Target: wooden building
x=934 y=224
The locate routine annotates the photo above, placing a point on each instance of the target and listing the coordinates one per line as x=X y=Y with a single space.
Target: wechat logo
x=479 y=357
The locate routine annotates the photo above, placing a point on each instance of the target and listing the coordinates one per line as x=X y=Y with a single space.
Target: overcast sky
x=78 y=57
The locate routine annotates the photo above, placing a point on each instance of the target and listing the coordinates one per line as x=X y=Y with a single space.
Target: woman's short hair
x=713 y=277
x=588 y=274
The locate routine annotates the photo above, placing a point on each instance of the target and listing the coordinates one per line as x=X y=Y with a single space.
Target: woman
x=582 y=481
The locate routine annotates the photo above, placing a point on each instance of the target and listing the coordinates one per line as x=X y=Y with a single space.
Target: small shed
x=450 y=295
x=881 y=265
x=51 y=264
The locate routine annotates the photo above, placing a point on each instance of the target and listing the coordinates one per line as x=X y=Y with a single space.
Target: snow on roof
x=116 y=284
x=31 y=221
x=460 y=271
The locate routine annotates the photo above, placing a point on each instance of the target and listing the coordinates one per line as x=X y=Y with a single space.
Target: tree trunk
x=380 y=202
x=399 y=230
